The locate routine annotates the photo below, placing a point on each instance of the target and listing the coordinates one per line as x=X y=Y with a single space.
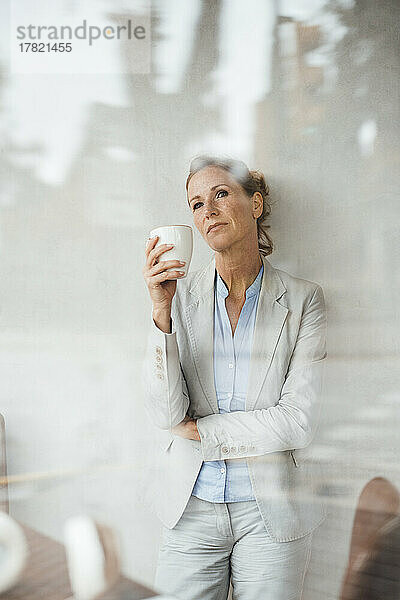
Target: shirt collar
x=252 y=290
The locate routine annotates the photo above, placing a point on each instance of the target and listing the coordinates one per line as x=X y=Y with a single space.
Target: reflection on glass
x=307 y=92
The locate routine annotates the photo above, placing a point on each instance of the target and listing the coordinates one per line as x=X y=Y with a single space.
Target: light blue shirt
x=228 y=480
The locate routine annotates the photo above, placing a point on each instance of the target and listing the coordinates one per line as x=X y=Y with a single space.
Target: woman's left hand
x=187 y=429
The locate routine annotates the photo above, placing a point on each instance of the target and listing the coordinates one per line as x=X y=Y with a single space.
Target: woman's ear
x=257 y=205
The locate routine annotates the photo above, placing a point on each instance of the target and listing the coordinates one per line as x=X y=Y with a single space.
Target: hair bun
x=259 y=178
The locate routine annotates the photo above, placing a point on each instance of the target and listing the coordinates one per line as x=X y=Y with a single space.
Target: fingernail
x=182 y=262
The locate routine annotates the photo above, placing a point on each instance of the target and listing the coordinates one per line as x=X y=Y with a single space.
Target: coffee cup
x=182 y=238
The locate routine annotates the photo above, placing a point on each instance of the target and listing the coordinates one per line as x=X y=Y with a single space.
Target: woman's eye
x=216 y=195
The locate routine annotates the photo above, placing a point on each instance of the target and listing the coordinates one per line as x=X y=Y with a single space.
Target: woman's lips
x=216 y=227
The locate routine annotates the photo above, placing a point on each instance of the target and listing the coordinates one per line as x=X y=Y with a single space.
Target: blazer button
x=225 y=449
x=160 y=376
x=158 y=349
x=234 y=449
x=242 y=448
x=159 y=359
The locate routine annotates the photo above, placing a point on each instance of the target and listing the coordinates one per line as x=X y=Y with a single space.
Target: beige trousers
x=214 y=543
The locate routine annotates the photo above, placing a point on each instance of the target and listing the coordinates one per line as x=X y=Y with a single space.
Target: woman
x=233 y=375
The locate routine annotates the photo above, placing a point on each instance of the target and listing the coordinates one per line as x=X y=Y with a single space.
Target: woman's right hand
x=160 y=282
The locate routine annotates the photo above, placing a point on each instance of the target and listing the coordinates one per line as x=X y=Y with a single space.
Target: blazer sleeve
x=292 y=422
x=166 y=394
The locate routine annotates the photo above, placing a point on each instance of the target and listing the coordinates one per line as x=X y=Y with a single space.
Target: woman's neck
x=238 y=272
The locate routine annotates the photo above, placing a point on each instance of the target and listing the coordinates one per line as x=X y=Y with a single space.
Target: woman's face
x=215 y=197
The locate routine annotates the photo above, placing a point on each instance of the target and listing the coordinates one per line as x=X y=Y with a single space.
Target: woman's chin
x=219 y=246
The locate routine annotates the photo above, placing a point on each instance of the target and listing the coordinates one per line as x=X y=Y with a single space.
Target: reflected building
x=329 y=143
x=294 y=110
x=112 y=188
x=165 y=124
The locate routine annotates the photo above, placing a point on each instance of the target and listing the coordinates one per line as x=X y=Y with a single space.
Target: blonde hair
x=251 y=182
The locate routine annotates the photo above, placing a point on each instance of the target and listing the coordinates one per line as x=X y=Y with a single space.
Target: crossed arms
x=288 y=425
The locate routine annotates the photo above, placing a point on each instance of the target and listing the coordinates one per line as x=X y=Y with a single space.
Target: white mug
x=13 y=551
x=182 y=238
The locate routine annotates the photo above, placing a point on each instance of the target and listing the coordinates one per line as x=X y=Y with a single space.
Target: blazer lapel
x=270 y=318
x=200 y=325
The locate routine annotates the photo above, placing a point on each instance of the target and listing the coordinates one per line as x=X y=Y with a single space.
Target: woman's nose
x=210 y=209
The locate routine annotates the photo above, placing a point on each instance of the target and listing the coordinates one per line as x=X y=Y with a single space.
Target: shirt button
x=222 y=471
x=230 y=365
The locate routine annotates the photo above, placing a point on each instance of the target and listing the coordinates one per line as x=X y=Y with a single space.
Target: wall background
x=308 y=92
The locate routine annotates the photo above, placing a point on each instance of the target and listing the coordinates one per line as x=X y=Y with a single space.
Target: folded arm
x=167 y=398
x=292 y=422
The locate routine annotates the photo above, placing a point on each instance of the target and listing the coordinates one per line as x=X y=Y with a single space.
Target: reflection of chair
x=92 y=556
x=94 y=563
x=376 y=526
x=3 y=467
x=378 y=574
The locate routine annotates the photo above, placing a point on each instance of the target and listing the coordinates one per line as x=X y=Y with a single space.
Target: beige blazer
x=275 y=431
